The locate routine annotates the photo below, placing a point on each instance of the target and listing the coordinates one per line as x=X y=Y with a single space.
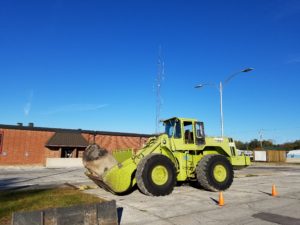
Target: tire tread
x=140 y=171
x=202 y=173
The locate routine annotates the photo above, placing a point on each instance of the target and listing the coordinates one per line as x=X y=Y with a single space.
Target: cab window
x=169 y=128
x=200 y=135
x=172 y=128
x=188 y=133
x=177 y=133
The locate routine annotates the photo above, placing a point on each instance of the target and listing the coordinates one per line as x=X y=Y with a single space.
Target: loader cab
x=185 y=131
x=173 y=128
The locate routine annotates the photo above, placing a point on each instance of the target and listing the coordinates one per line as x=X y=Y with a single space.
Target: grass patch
x=11 y=201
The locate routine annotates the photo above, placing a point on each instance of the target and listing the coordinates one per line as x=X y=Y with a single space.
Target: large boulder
x=97 y=160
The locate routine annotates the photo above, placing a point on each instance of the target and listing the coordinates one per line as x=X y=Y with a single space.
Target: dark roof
x=18 y=127
x=271 y=149
x=67 y=140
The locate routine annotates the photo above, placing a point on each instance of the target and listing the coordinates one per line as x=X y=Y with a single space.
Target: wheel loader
x=181 y=154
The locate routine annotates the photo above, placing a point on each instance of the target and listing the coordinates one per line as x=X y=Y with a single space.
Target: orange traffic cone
x=274 y=192
x=221 y=199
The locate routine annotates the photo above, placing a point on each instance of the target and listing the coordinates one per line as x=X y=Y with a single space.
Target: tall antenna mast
x=159 y=79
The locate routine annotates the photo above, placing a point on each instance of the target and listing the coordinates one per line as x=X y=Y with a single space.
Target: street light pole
x=221 y=108
x=221 y=93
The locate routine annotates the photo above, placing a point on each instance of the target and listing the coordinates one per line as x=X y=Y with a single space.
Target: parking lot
x=248 y=201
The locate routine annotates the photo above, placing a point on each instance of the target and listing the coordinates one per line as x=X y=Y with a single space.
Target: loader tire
x=214 y=173
x=156 y=175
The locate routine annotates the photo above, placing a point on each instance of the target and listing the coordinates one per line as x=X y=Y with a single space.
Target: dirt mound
x=97 y=160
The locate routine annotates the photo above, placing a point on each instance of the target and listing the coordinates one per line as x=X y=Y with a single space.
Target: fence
x=270 y=155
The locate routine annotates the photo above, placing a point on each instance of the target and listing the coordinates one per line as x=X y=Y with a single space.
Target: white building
x=293 y=156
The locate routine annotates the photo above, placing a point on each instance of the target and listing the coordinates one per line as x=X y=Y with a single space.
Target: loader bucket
x=118 y=179
x=122 y=155
x=99 y=182
x=114 y=174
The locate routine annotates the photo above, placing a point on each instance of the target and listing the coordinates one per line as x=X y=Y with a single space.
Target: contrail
x=28 y=104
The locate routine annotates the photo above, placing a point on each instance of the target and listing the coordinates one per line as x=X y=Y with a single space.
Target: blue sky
x=93 y=64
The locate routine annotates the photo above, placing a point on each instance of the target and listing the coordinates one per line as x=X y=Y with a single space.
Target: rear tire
x=214 y=173
x=156 y=175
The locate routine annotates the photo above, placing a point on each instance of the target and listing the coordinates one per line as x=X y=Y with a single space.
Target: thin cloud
x=287 y=9
x=27 y=107
x=76 y=108
x=294 y=60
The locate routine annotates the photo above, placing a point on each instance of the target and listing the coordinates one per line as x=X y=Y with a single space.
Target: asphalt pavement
x=39 y=177
x=248 y=200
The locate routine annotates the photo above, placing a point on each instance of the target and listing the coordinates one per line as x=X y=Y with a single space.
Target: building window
x=1 y=141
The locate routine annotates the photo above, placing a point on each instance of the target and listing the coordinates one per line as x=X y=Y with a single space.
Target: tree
x=241 y=145
x=292 y=145
x=267 y=144
x=254 y=144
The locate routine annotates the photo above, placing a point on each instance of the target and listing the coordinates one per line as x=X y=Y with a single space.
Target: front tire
x=156 y=175
x=214 y=173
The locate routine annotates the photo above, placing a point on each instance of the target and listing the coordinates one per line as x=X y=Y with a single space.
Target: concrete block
x=107 y=213
x=28 y=218
x=104 y=213
x=71 y=215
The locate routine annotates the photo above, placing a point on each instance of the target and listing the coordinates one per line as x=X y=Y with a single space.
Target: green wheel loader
x=181 y=153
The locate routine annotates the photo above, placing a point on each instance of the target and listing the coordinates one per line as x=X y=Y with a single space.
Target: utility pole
x=260 y=138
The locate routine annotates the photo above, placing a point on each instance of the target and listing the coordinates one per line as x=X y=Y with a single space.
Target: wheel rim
x=159 y=175
x=220 y=173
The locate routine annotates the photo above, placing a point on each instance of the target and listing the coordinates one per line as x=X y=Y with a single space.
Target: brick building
x=21 y=145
